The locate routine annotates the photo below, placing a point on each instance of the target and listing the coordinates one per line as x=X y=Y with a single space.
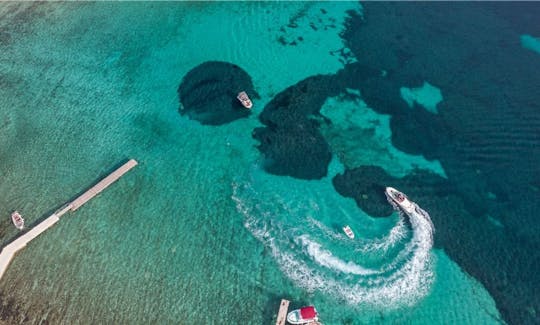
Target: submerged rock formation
x=290 y=141
x=208 y=92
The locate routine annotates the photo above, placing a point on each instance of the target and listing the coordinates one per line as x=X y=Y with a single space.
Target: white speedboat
x=18 y=220
x=244 y=99
x=304 y=315
x=398 y=199
x=348 y=231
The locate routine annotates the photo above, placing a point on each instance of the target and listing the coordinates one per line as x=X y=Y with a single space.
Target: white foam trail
x=325 y=258
x=403 y=280
x=379 y=245
x=326 y=230
x=397 y=233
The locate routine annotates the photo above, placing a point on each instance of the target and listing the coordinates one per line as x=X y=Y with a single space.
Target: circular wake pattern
x=397 y=233
x=391 y=271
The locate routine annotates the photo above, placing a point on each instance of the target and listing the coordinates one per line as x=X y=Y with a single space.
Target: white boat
x=18 y=220
x=348 y=231
x=244 y=99
x=398 y=199
x=304 y=315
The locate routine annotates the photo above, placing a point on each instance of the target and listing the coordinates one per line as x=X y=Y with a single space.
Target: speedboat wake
x=316 y=258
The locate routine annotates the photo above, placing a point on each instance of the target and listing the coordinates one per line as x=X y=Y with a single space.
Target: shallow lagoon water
x=176 y=239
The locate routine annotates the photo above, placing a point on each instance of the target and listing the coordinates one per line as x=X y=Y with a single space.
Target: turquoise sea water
x=198 y=233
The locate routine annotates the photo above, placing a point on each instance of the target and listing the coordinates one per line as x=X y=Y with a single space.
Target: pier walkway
x=282 y=314
x=9 y=251
x=103 y=184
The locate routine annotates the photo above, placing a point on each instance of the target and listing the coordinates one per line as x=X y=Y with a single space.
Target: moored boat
x=244 y=99
x=398 y=199
x=18 y=220
x=348 y=231
x=304 y=315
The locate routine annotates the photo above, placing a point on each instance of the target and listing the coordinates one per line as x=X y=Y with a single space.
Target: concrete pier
x=9 y=251
x=103 y=184
x=282 y=314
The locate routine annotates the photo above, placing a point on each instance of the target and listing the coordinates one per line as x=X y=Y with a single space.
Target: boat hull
x=299 y=316
x=347 y=230
x=244 y=100
x=17 y=220
x=398 y=199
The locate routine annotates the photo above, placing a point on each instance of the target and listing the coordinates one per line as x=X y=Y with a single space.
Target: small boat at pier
x=244 y=99
x=304 y=315
x=18 y=220
x=348 y=231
